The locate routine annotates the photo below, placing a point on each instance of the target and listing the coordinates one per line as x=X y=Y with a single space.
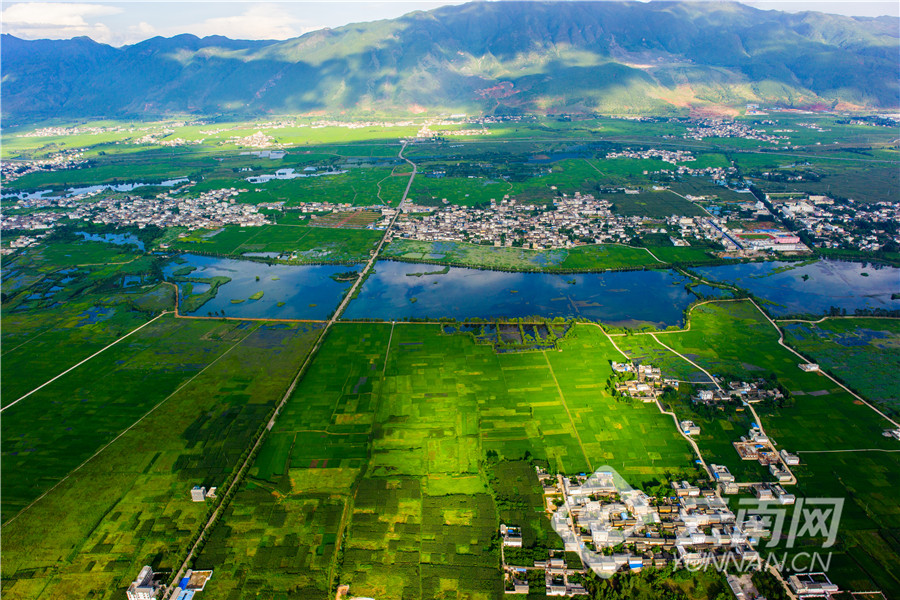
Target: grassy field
x=385 y=440
x=657 y=204
x=38 y=345
x=599 y=257
x=864 y=184
x=311 y=244
x=130 y=505
x=588 y=258
x=359 y=187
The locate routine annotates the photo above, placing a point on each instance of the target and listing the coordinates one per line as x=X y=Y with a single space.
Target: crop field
x=58 y=427
x=869 y=184
x=832 y=432
x=382 y=445
x=359 y=187
x=315 y=244
x=657 y=204
x=862 y=352
x=544 y=181
x=39 y=345
x=359 y=219
x=139 y=510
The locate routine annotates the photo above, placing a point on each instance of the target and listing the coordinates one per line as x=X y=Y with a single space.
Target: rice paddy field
x=172 y=409
x=383 y=445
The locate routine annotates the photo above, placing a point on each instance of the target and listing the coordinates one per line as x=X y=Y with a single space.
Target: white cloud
x=258 y=22
x=36 y=20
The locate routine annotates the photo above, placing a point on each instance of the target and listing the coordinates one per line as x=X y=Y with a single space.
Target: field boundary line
x=130 y=427
x=659 y=405
x=562 y=397
x=387 y=353
x=783 y=344
x=73 y=367
x=28 y=341
x=241 y=469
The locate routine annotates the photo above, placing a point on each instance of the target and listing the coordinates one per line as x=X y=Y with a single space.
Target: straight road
x=245 y=466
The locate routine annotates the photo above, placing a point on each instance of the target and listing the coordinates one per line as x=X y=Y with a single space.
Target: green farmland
x=311 y=244
x=383 y=443
x=588 y=258
x=139 y=510
x=862 y=352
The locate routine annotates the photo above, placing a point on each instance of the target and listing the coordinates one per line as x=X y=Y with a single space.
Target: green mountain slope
x=478 y=57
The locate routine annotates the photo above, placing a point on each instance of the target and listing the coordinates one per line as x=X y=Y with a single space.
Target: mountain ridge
x=613 y=57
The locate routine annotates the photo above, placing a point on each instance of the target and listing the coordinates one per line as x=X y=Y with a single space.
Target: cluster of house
x=807 y=586
x=150 y=586
x=831 y=224
x=712 y=128
x=255 y=140
x=647 y=385
x=10 y=170
x=569 y=221
x=669 y=156
x=22 y=241
x=742 y=390
x=559 y=578
x=757 y=446
x=427 y=133
x=613 y=527
x=718 y=175
x=210 y=209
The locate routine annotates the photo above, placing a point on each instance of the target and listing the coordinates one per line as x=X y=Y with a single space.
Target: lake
x=119 y=239
x=627 y=298
x=304 y=291
x=846 y=285
x=77 y=191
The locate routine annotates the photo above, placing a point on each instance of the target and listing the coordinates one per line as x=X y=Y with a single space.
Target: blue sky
x=120 y=23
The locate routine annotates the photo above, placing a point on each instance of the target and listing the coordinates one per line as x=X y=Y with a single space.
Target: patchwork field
x=390 y=428
x=130 y=505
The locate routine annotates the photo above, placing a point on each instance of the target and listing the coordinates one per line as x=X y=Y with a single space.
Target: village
x=612 y=528
x=711 y=128
x=209 y=209
x=831 y=223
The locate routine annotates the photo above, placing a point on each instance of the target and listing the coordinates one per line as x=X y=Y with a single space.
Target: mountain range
x=481 y=57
